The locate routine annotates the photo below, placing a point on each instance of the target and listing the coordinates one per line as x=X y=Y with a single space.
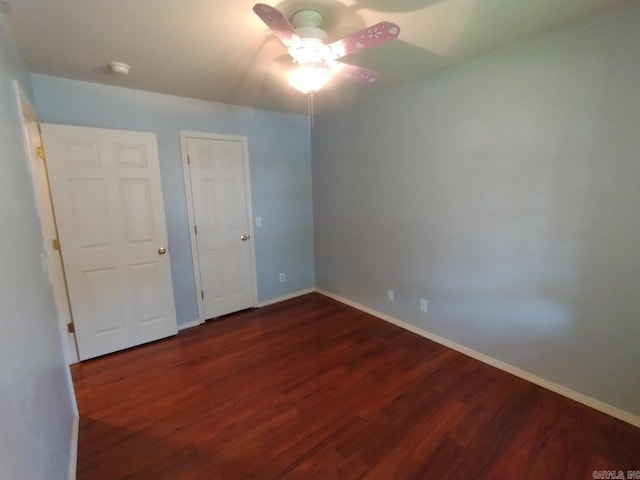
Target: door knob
x=244 y=238
x=162 y=250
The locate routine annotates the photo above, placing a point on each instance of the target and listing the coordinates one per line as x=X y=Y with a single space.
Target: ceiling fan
x=318 y=61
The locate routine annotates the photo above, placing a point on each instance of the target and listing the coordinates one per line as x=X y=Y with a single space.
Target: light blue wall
x=36 y=408
x=506 y=192
x=279 y=153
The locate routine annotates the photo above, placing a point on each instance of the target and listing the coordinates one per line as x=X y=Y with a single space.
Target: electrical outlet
x=282 y=278
x=423 y=305
x=258 y=221
x=390 y=295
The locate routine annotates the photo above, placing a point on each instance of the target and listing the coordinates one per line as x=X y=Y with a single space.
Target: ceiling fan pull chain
x=310 y=109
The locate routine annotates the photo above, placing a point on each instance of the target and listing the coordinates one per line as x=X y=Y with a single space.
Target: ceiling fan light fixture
x=309 y=50
x=309 y=78
x=318 y=61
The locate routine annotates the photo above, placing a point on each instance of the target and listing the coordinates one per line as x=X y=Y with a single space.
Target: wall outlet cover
x=423 y=305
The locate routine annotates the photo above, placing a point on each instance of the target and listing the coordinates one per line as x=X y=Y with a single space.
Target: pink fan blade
x=357 y=74
x=277 y=22
x=375 y=35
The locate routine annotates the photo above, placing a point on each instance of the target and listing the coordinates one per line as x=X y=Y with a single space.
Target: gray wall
x=279 y=152
x=504 y=191
x=36 y=408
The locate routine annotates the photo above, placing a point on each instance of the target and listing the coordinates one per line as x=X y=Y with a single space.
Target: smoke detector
x=120 y=68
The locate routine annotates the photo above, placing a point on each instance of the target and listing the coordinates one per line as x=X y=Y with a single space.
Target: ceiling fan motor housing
x=306 y=18
x=307 y=24
x=312 y=46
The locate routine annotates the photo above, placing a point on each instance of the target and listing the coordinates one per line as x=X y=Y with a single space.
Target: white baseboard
x=73 y=447
x=554 y=387
x=289 y=296
x=184 y=326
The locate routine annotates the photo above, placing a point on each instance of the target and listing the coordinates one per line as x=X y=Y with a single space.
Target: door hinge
x=195 y=229
x=56 y=244
x=71 y=327
x=188 y=160
x=40 y=153
x=202 y=294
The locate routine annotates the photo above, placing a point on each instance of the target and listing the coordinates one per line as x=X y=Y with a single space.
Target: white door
x=107 y=199
x=218 y=179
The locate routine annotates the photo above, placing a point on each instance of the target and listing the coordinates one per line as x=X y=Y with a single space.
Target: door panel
x=219 y=197
x=137 y=210
x=102 y=292
x=107 y=199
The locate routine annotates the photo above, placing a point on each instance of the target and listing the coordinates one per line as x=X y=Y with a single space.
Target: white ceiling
x=219 y=50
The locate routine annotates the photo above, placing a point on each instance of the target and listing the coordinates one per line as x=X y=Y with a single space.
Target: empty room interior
x=319 y=239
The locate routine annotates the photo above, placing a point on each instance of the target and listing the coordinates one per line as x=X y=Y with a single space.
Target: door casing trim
x=44 y=207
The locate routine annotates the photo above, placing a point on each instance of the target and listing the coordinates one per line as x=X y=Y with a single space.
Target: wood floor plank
x=313 y=389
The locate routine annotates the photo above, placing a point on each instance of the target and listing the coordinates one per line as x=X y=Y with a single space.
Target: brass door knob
x=162 y=250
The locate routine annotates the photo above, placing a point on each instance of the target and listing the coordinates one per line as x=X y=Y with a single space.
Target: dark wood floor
x=313 y=389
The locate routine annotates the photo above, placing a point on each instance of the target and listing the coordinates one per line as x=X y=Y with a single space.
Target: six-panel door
x=219 y=198
x=108 y=204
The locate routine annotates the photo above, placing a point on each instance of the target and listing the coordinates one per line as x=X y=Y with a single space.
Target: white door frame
x=44 y=207
x=184 y=135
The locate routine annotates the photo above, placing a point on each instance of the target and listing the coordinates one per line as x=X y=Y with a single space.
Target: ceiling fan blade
x=356 y=74
x=278 y=23
x=369 y=37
